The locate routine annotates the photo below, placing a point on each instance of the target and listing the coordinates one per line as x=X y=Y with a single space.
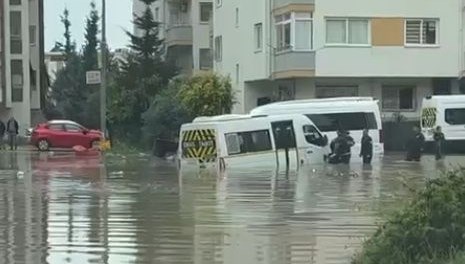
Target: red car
x=63 y=134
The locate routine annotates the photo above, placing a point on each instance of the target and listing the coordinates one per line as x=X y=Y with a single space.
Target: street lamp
x=103 y=84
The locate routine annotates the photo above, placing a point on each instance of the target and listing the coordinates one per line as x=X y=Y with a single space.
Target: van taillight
x=381 y=136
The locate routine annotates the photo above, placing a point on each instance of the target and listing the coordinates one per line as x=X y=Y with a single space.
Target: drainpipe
x=270 y=41
x=461 y=42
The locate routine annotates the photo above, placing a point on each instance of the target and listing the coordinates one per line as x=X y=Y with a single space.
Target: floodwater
x=59 y=208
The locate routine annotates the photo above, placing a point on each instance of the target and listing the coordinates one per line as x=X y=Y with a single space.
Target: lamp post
x=103 y=84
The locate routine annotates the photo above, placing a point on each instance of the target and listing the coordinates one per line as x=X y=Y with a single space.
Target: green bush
x=430 y=228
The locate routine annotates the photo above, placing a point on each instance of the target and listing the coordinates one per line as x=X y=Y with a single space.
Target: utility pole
x=103 y=84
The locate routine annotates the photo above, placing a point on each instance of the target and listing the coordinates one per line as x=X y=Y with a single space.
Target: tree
x=90 y=53
x=69 y=47
x=207 y=95
x=142 y=77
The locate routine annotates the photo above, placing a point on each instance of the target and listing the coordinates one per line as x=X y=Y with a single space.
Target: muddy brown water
x=58 y=208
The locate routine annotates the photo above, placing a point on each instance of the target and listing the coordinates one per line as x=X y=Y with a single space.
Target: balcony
x=178 y=35
x=179 y=26
x=294 y=64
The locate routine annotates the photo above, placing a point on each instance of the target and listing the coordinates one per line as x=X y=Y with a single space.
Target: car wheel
x=43 y=145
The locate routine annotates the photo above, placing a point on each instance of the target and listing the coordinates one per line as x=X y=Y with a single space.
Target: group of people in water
x=342 y=144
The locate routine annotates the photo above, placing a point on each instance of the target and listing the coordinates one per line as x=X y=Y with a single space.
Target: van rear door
x=199 y=144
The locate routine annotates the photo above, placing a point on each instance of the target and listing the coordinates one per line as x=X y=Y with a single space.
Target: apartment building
x=22 y=57
x=186 y=29
x=396 y=51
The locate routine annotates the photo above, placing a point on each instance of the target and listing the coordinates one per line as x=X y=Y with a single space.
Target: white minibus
x=352 y=114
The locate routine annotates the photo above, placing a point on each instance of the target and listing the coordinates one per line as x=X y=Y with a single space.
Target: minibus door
x=285 y=142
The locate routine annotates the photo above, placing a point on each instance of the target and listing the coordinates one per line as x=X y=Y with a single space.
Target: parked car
x=64 y=134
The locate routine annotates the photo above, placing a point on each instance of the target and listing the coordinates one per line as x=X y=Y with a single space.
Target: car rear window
x=56 y=127
x=346 y=121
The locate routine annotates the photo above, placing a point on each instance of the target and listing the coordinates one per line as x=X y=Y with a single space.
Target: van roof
x=456 y=97
x=326 y=100
x=219 y=118
x=343 y=104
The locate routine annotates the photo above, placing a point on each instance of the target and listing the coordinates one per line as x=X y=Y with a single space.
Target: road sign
x=93 y=77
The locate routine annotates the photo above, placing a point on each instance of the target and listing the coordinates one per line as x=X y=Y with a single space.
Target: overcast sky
x=118 y=18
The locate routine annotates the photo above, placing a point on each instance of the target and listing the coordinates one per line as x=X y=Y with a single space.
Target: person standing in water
x=366 y=150
x=438 y=142
x=415 y=145
x=12 y=128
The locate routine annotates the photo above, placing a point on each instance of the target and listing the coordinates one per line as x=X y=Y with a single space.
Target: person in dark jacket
x=438 y=142
x=2 y=134
x=340 y=148
x=366 y=150
x=415 y=145
x=12 y=128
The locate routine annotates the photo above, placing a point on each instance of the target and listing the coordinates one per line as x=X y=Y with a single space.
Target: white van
x=252 y=141
x=447 y=111
x=352 y=114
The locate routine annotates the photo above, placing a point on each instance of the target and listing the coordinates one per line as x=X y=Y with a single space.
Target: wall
x=20 y=110
x=444 y=60
x=34 y=51
x=238 y=43
x=200 y=32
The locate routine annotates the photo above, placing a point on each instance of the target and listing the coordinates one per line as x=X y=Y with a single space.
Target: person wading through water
x=366 y=151
x=12 y=129
x=415 y=145
x=341 y=148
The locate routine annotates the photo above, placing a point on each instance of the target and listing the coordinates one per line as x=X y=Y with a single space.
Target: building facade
x=395 y=51
x=22 y=66
x=186 y=30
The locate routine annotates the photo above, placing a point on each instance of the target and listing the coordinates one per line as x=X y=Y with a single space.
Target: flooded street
x=58 y=208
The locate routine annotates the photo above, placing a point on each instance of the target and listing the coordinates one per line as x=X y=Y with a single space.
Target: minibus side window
x=233 y=143
x=455 y=116
x=312 y=135
x=248 y=142
x=346 y=121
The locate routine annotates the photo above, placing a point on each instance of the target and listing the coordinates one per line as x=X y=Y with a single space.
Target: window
x=313 y=136
x=15 y=2
x=283 y=32
x=157 y=14
x=258 y=36
x=455 y=116
x=237 y=17
x=56 y=127
x=32 y=35
x=294 y=31
x=237 y=73
x=72 y=128
x=345 y=31
x=248 y=142
x=206 y=60
x=15 y=32
x=398 y=97
x=218 y=3
x=17 y=80
x=421 y=32
x=33 y=79
x=329 y=91
x=218 y=48
x=346 y=121
x=206 y=11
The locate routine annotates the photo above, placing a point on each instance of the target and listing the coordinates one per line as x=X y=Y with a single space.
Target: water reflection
x=59 y=208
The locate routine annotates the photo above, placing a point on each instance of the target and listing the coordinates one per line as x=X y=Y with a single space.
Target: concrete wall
x=20 y=110
x=443 y=60
x=238 y=43
x=200 y=32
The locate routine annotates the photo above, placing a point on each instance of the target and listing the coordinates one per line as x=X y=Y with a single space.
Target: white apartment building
x=394 y=50
x=21 y=24
x=186 y=31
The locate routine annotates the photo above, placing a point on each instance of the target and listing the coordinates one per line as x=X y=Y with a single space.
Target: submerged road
x=59 y=208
